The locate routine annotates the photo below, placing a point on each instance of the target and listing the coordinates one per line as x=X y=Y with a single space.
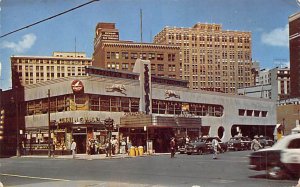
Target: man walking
x=172 y=146
x=215 y=144
x=73 y=148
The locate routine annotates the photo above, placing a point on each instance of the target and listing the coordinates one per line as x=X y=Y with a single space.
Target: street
x=230 y=169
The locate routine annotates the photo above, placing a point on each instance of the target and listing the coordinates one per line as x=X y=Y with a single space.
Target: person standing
x=172 y=146
x=107 y=148
x=73 y=148
x=215 y=144
x=255 y=145
x=52 y=149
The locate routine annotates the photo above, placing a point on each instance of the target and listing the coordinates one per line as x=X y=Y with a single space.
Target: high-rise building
x=28 y=70
x=294 y=35
x=211 y=58
x=111 y=53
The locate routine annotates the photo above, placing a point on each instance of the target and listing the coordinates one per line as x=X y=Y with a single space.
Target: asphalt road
x=230 y=169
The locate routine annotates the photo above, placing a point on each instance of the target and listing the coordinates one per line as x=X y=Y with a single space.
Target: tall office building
x=112 y=53
x=28 y=70
x=211 y=58
x=294 y=35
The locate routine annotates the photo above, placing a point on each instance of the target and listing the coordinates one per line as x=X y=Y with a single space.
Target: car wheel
x=276 y=172
x=200 y=151
x=188 y=153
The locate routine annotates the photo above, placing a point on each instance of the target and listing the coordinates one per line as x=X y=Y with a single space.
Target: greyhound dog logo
x=298 y=2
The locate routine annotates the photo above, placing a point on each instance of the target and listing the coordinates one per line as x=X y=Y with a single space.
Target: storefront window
x=94 y=102
x=134 y=105
x=115 y=104
x=125 y=104
x=104 y=103
x=170 y=108
x=60 y=104
x=162 y=107
x=154 y=106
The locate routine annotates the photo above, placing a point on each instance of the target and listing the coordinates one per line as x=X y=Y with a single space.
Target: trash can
x=132 y=151
x=136 y=151
x=141 y=150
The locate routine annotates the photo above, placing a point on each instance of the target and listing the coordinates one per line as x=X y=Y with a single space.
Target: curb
x=85 y=157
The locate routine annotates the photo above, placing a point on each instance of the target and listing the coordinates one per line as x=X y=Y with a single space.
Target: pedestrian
x=129 y=144
x=172 y=146
x=89 y=147
x=107 y=148
x=73 y=148
x=114 y=143
x=123 y=146
x=215 y=144
x=255 y=145
x=52 y=149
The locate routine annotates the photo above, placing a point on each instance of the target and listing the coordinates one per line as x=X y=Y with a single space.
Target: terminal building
x=144 y=108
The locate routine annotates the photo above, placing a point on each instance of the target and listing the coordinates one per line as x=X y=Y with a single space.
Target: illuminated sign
x=77 y=86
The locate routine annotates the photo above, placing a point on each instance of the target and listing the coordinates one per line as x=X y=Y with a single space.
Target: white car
x=280 y=160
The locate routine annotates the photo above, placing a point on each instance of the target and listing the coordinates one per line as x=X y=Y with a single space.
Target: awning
x=160 y=121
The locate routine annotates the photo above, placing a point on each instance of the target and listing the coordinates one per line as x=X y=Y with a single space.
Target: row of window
x=255 y=113
x=119 y=104
x=47 y=61
x=143 y=56
x=50 y=68
x=202 y=37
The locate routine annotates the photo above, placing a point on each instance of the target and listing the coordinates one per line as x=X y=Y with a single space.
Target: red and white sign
x=77 y=86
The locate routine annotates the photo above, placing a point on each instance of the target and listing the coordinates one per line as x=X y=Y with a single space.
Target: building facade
x=111 y=53
x=28 y=70
x=211 y=58
x=294 y=36
x=143 y=109
x=272 y=84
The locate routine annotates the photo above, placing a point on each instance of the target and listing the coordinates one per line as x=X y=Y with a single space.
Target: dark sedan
x=239 y=143
x=280 y=160
x=203 y=145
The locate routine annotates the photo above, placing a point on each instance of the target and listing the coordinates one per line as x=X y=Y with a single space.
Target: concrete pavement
x=92 y=157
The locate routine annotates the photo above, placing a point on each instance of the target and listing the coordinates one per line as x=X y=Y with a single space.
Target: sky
x=267 y=20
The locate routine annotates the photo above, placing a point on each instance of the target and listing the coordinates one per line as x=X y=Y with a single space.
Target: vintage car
x=181 y=145
x=280 y=160
x=203 y=145
x=265 y=141
x=239 y=143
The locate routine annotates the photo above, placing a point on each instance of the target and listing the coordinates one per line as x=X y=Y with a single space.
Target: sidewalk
x=91 y=157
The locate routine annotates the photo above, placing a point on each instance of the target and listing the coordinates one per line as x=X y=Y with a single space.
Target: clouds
x=21 y=46
x=277 y=37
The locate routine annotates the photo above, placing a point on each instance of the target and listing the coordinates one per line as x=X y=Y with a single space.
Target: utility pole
x=49 y=135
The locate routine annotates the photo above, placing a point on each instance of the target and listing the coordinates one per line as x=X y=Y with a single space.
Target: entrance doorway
x=80 y=140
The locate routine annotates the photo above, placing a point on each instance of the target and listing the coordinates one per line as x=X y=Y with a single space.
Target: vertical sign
x=143 y=67
x=147 y=88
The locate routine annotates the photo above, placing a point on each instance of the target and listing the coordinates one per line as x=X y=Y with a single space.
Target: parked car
x=265 y=141
x=181 y=145
x=280 y=160
x=203 y=145
x=239 y=143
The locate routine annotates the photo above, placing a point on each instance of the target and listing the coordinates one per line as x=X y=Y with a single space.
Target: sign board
x=109 y=35
x=77 y=86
